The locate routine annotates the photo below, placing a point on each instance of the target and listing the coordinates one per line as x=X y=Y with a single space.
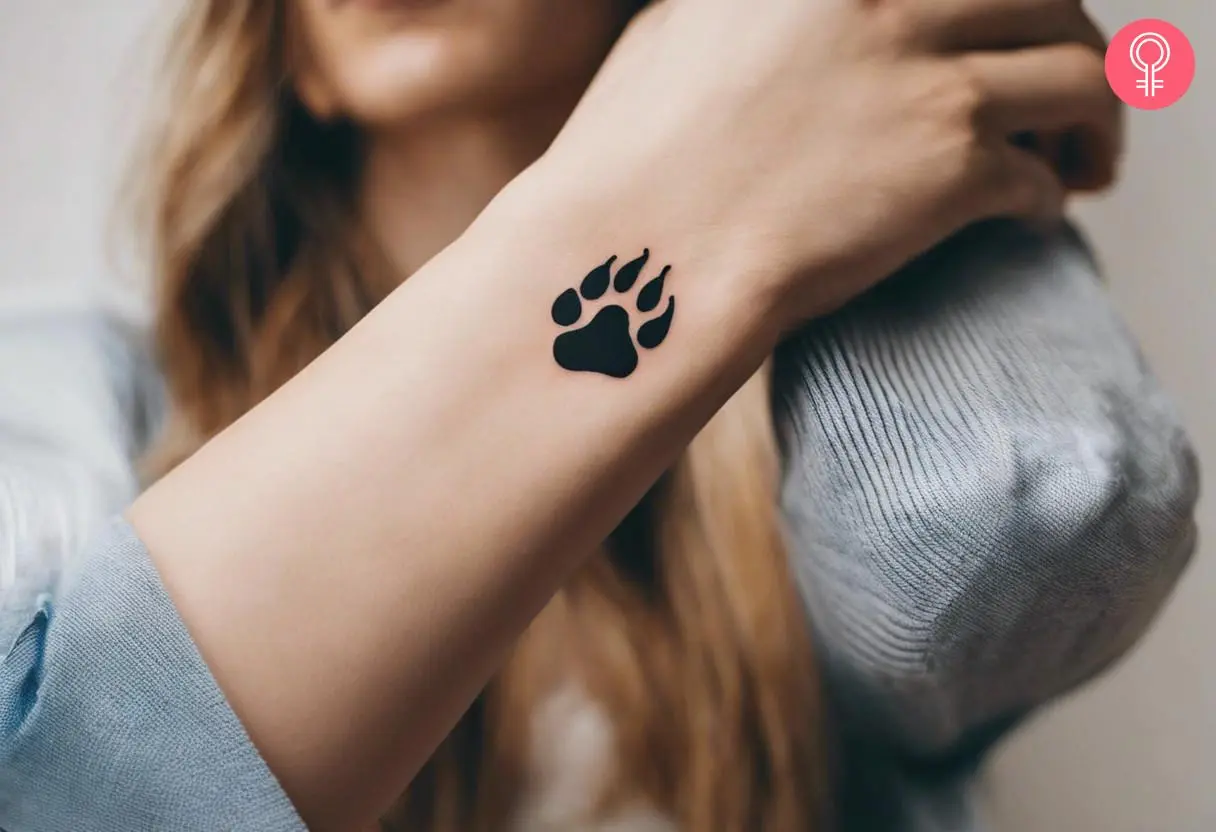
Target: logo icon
x=1150 y=64
x=1151 y=81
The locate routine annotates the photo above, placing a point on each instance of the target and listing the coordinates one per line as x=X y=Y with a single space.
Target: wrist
x=716 y=272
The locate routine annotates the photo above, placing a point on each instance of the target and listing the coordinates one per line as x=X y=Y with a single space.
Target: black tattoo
x=606 y=344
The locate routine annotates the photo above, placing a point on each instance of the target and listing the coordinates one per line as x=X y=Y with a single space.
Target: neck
x=424 y=185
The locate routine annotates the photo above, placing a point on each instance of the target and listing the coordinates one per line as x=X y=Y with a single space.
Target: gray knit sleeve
x=988 y=495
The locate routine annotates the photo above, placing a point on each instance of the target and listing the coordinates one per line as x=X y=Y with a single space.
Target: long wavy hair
x=686 y=631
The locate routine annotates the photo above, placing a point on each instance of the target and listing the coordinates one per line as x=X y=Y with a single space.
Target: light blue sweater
x=988 y=499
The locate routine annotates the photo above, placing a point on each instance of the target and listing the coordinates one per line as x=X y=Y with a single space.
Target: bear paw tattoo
x=608 y=343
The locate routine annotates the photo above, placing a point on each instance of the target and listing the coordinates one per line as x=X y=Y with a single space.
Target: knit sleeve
x=76 y=391
x=988 y=495
x=110 y=720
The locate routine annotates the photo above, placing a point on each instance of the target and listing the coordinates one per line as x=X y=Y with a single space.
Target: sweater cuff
x=110 y=720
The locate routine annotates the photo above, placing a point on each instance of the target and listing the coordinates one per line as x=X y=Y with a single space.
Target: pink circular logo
x=1150 y=64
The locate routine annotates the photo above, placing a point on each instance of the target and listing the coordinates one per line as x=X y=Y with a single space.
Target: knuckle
x=962 y=104
x=899 y=21
x=1088 y=60
x=967 y=94
x=957 y=103
x=1090 y=63
x=1090 y=70
x=953 y=90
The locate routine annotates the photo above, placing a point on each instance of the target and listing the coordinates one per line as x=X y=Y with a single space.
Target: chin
x=454 y=62
x=398 y=83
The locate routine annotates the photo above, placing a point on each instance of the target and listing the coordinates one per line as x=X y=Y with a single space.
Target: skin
x=455 y=99
x=702 y=138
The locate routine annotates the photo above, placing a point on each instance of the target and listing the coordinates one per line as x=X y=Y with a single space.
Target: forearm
x=411 y=500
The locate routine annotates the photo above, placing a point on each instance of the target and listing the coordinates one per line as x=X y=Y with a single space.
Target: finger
x=965 y=25
x=1085 y=160
x=1048 y=145
x=1013 y=182
x=1093 y=145
x=1061 y=94
x=1089 y=159
x=1061 y=87
x=1052 y=148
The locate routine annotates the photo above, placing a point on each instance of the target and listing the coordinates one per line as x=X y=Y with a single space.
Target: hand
x=817 y=145
x=1085 y=159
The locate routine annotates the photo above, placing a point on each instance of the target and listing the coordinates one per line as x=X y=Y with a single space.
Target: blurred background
x=1134 y=752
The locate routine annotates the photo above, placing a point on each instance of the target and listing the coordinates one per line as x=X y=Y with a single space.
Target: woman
x=359 y=205
x=405 y=125
x=266 y=265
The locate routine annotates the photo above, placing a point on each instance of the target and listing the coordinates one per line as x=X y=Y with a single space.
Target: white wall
x=1134 y=753
x=70 y=93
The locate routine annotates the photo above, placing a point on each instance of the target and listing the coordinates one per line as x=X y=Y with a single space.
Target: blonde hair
x=687 y=630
